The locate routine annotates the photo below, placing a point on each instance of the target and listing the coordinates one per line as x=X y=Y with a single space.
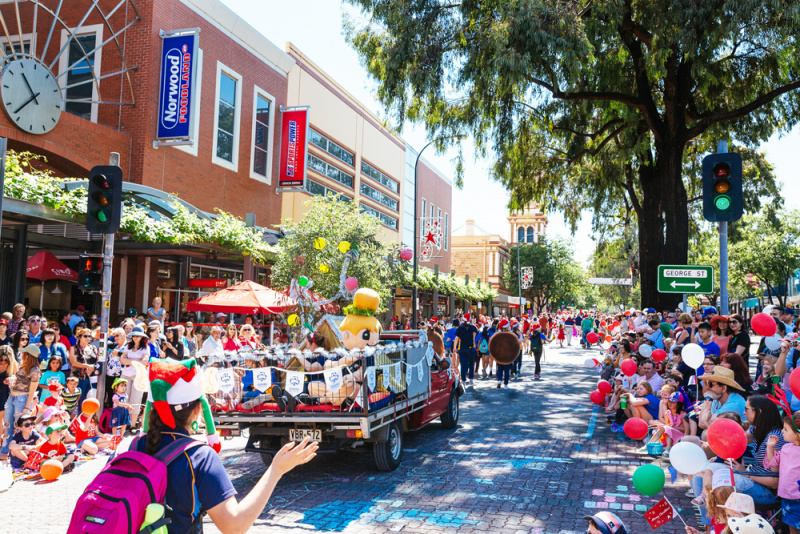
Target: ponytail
x=155 y=426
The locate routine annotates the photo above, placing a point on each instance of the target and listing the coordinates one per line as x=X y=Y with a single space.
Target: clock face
x=31 y=96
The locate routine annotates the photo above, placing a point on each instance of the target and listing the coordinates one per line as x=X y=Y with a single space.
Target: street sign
x=685 y=279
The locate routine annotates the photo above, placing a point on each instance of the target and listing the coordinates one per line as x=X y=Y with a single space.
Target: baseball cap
x=54 y=428
x=739 y=502
x=80 y=308
x=708 y=311
x=33 y=350
x=649 y=310
x=607 y=523
x=675 y=397
x=789 y=311
x=220 y=314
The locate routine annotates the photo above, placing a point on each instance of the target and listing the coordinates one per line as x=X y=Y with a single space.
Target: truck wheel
x=450 y=417
x=389 y=453
x=267 y=457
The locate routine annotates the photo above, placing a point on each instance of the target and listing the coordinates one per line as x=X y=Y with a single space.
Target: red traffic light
x=722 y=170
x=101 y=181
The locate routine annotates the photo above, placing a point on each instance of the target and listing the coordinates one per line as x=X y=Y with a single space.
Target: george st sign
x=685 y=279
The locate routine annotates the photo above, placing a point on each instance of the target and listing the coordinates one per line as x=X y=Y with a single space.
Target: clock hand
x=30 y=89
x=31 y=99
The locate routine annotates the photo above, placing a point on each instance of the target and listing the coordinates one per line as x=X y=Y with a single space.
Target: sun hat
x=33 y=350
x=117 y=381
x=751 y=524
x=739 y=502
x=607 y=523
x=723 y=375
x=54 y=428
x=137 y=331
x=50 y=412
x=721 y=478
x=55 y=386
x=718 y=319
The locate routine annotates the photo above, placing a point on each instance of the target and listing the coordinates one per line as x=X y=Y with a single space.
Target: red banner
x=660 y=514
x=294 y=147
x=216 y=283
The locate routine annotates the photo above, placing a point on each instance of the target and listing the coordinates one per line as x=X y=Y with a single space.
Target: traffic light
x=104 y=205
x=90 y=274
x=722 y=187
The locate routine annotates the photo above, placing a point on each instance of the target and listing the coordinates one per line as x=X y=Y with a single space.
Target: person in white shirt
x=212 y=345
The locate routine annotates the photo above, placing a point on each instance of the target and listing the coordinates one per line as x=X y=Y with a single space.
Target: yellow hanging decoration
x=319 y=243
x=294 y=320
x=344 y=246
x=323 y=268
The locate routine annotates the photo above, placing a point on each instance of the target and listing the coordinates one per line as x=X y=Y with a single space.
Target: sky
x=316 y=28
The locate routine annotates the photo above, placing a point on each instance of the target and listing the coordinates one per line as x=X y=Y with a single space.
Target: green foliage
x=768 y=250
x=24 y=182
x=616 y=256
x=557 y=276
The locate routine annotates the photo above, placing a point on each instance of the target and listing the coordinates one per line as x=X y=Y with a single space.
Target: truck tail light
x=355 y=434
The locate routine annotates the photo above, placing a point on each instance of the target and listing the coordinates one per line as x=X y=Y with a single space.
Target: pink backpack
x=115 y=501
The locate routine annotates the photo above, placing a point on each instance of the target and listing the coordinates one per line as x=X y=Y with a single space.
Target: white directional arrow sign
x=686 y=279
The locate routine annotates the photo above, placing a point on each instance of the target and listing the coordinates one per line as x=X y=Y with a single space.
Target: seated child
x=671 y=422
x=54 y=447
x=84 y=427
x=121 y=413
x=71 y=396
x=24 y=440
x=54 y=398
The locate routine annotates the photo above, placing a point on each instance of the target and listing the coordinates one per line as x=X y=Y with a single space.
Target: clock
x=31 y=96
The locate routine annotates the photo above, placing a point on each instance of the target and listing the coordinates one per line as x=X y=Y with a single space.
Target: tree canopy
x=591 y=104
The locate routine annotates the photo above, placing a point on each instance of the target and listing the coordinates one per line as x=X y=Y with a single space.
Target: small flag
x=660 y=514
x=673 y=475
x=692 y=380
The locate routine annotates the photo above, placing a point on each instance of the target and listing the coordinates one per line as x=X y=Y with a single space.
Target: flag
x=333 y=379
x=660 y=514
x=673 y=475
x=692 y=380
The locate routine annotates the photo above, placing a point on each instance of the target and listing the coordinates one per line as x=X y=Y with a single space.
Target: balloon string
x=733 y=479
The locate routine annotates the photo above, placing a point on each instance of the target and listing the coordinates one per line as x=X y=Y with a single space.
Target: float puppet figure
x=359 y=329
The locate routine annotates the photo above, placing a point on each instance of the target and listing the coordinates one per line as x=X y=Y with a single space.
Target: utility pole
x=722 y=148
x=519 y=280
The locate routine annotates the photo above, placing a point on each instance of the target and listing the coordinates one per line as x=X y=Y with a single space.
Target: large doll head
x=360 y=328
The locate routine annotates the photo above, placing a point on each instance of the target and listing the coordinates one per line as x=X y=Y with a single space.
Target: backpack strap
x=169 y=453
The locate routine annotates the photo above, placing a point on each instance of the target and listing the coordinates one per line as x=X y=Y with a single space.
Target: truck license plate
x=300 y=435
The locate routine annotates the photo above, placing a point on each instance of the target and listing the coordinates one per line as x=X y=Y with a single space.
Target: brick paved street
x=524 y=460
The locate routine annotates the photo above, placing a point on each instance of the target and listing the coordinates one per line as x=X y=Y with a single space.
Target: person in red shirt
x=55 y=396
x=54 y=447
x=84 y=428
x=544 y=324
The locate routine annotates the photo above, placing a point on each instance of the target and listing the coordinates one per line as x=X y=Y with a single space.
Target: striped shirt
x=761 y=451
x=70 y=398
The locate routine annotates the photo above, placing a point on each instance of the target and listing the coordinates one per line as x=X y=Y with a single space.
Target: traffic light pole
x=722 y=148
x=105 y=309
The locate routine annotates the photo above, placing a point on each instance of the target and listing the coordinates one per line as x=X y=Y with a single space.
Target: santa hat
x=175 y=385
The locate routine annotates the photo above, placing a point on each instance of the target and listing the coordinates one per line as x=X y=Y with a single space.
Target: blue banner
x=176 y=91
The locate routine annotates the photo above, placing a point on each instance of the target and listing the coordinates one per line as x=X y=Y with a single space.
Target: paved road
x=533 y=459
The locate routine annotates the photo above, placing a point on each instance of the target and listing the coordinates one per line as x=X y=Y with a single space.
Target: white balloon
x=773 y=343
x=688 y=458
x=590 y=363
x=693 y=355
x=646 y=350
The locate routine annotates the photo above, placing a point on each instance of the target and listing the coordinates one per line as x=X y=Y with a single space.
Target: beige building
x=527 y=224
x=350 y=152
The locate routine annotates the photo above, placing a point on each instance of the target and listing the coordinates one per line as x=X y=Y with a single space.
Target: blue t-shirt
x=652 y=406
x=51 y=376
x=192 y=488
x=735 y=404
x=710 y=349
x=450 y=338
x=657 y=338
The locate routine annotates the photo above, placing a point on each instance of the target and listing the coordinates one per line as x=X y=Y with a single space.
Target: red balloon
x=597 y=398
x=592 y=338
x=794 y=382
x=614 y=324
x=727 y=439
x=602 y=323
x=635 y=428
x=628 y=367
x=604 y=387
x=764 y=325
x=659 y=355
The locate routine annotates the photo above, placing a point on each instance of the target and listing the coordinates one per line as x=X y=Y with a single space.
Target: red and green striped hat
x=173 y=383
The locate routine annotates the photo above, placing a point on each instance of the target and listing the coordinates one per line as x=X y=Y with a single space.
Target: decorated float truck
x=365 y=398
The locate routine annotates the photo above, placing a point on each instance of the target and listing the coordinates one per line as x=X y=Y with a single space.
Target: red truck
x=427 y=391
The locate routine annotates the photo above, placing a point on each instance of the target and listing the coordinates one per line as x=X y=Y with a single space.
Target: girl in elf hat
x=197 y=481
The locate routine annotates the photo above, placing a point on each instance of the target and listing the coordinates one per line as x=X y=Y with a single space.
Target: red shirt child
x=55 y=396
x=83 y=427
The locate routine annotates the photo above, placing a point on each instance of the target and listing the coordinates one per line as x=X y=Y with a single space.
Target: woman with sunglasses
x=20 y=340
x=247 y=336
x=740 y=340
x=82 y=358
x=173 y=346
x=24 y=385
x=230 y=340
x=51 y=347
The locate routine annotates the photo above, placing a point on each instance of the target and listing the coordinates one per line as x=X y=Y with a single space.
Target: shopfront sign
x=215 y=283
x=177 y=88
x=294 y=147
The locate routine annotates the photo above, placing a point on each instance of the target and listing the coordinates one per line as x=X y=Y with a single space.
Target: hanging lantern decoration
x=344 y=246
x=319 y=243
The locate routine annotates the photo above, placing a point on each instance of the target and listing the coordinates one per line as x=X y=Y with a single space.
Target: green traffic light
x=722 y=202
x=101 y=216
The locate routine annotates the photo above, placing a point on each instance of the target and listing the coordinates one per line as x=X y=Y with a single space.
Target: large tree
x=594 y=104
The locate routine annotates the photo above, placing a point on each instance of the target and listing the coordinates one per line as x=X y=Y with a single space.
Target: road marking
x=592 y=422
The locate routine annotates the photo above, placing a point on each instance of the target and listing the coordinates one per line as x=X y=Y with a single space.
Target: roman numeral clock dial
x=31 y=96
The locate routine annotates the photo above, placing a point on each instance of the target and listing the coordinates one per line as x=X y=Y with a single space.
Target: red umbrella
x=45 y=266
x=246 y=297
x=326 y=308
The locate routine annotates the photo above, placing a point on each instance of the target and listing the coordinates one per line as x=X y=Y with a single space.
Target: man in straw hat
x=723 y=388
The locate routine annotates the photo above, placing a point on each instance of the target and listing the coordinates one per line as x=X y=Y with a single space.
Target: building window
x=424 y=207
x=379 y=177
x=330 y=171
x=318 y=189
x=432 y=211
x=521 y=235
x=226 y=118
x=391 y=222
x=530 y=234
x=14 y=47
x=263 y=126
x=82 y=63
x=377 y=196
x=446 y=230
x=320 y=141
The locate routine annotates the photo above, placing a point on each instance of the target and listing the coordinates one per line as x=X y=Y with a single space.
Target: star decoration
x=430 y=237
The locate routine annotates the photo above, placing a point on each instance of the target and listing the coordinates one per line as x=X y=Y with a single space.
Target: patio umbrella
x=245 y=297
x=45 y=266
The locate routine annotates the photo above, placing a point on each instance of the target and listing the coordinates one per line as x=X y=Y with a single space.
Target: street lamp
x=415 y=297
